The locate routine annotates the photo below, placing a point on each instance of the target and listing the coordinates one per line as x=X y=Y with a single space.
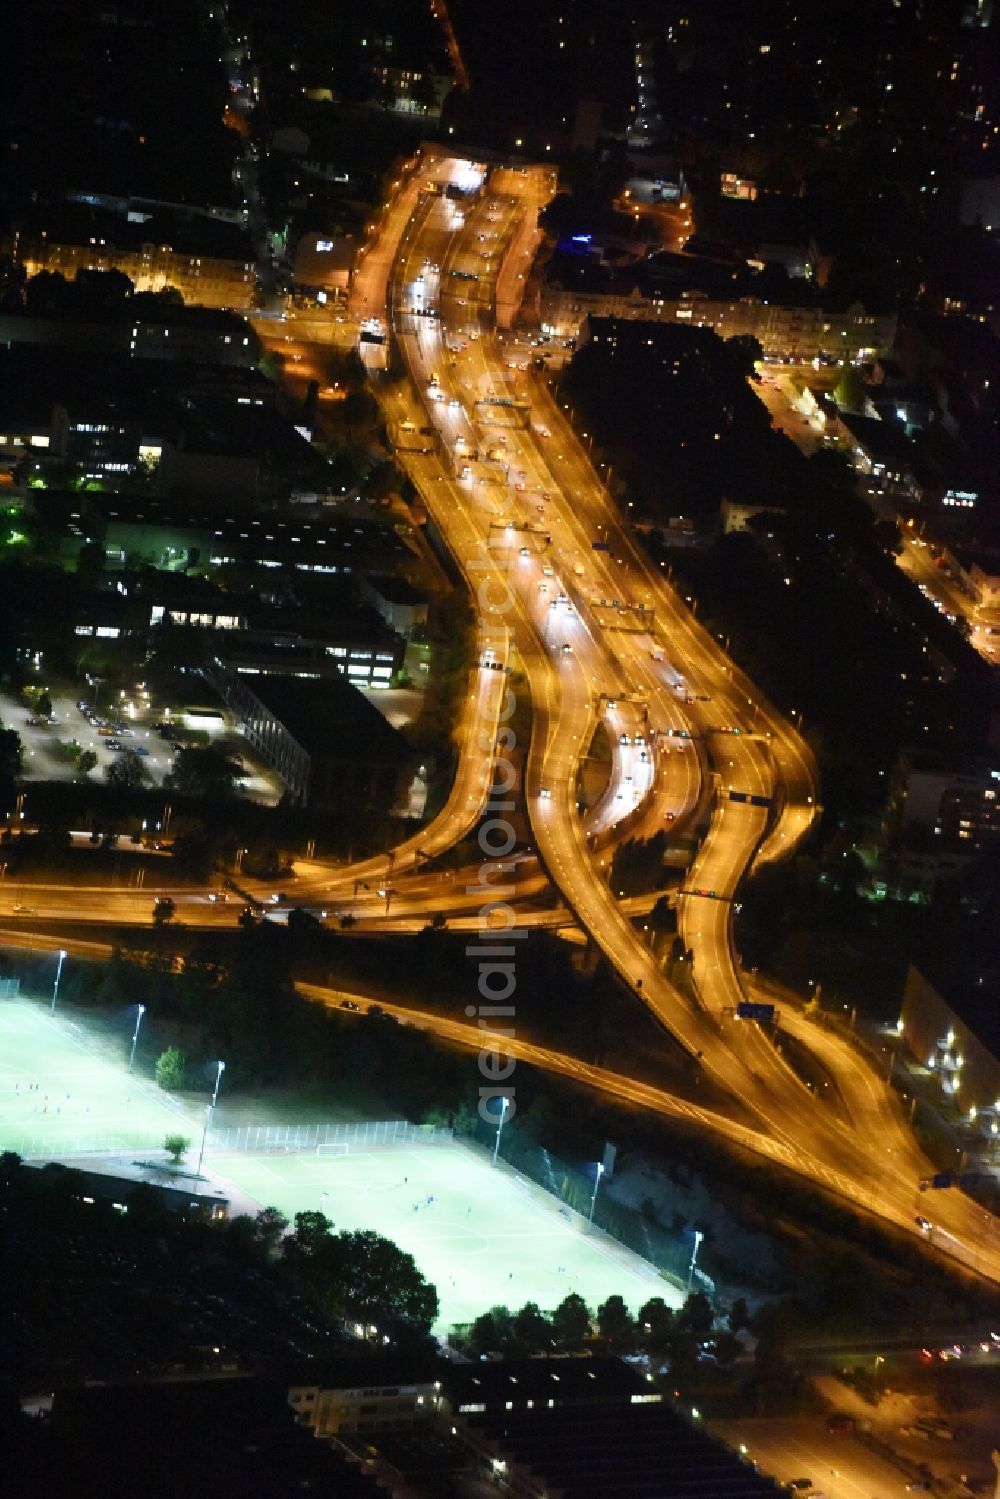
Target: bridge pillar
x=585 y=961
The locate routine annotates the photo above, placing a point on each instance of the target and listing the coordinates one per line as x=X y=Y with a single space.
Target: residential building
x=705 y=293
x=368 y=1395
x=957 y=807
x=880 y=453
x=325 y=263
x=210 y=262
x=200 y=335
x=977 y=570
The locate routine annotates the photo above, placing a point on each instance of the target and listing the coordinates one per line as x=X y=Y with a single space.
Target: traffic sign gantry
x=747 y=1010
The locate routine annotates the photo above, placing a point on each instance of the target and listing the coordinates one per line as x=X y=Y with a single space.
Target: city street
x=794 y=1447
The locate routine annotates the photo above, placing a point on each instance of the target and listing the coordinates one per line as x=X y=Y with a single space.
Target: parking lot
x=42 y=760
x=129 y=723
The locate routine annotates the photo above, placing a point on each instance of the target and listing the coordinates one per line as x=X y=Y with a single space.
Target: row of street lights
x=698 y=1235
x=504 y=1105
x=220 y=1066
x=140 y=1009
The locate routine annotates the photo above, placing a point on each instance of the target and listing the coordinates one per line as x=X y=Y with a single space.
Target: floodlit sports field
x=482 y=1236
x=81 y=1101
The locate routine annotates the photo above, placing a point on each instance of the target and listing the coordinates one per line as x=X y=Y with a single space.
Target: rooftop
x=566 y=1379
x=395 y=590
x=63 y=223
x=331 y=720
x=623 y=1446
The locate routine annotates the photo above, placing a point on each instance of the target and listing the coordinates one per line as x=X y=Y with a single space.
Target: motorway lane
x=734 y=694
x=552 y=767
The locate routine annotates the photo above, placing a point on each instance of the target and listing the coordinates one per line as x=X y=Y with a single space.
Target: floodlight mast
x=135 y=1035
x=55 y=986
x=504 y=1105
x=597 y=1183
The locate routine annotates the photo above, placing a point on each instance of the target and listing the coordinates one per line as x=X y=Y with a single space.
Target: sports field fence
x=252 y=1139
x=327 y=1139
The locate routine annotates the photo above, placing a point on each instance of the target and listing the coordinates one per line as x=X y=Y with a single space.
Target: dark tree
x=208 y=772
x=125 y=773
x=269 y=1228
x=312 y=1231
x=170 y=1069
x=615 y=1324
x=696 y=1315
x=570 y=1321
x=738 y=1315
x=656 y=1325
x=532 y=1329
x=382 y=1286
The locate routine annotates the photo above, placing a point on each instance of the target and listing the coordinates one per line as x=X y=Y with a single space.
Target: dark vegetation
x=92 y=1292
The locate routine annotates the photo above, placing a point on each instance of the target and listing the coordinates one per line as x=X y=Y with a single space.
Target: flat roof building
x=322 y=739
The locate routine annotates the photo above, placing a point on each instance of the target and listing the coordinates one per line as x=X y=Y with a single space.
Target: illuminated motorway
x=599 y=636
x=520 y=505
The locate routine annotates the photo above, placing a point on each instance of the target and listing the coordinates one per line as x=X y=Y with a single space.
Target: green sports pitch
x=482 y=1235
x=59 y=1095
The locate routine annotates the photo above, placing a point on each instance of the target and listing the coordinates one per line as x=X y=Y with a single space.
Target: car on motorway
x=800 y=1485
x=545 y=793
x=623 y=739
x=218 y=897
x=525 y=552
x=349 y=1004
x=924 y=1224
x=669 y=816
x=567 y=649
x=140 y=750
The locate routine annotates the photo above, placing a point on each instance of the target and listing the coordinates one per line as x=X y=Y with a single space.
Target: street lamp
x=55 y=986
x=698 y=1236
x=209 y=1111
x=504 y=1103
x=597 y=1183
x=218 y=1078
x=135 y=1034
